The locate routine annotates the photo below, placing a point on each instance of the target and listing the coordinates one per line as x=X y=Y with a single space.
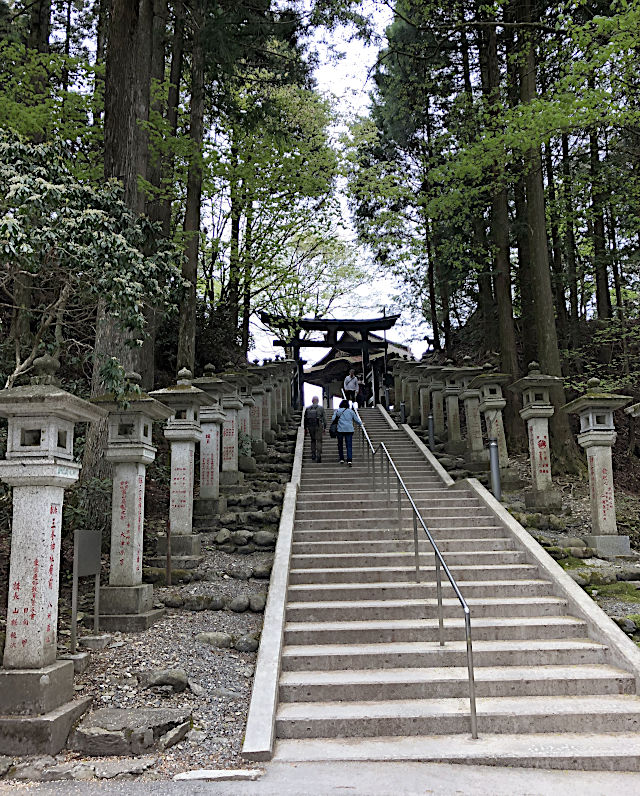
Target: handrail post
x=415 y=546
x=472 y=682
x=388 y=483
x=399 y=498
x=439 y=596
x=373 y=471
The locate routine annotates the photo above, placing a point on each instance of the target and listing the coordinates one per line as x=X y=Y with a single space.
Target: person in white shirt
x=351 y=386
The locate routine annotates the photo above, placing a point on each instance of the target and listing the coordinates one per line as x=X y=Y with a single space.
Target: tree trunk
x=187 y=330
x=570 y=241
x=173 y=99
x=431 y=279
x=246 y=277
x=502 y=263
x=234 y=247
x=558 y=269
x=603 y=297
x=564 y=444
x=39 y=26
x=126 y=105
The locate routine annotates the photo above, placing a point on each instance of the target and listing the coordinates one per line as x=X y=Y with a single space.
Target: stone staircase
x=362 y=673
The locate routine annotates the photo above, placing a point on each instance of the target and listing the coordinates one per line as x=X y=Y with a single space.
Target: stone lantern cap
x=488 y=378
x=596 y=408
x=42 y=416
x=535 y=379
x=213 y=384
x=633 y=410
x=183 y=398
x=130 y=423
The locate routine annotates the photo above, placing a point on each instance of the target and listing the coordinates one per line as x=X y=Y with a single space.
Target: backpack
x=333 y=428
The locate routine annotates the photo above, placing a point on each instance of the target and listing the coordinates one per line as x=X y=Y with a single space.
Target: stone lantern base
x=185 y=551
x=477 y=461
x=608 y=545
x=545 y=501
x=258 y=447
x=269 y=436
x=38 y=709
x=455 y=447
x=231 y=478
x=128 y=608
x=205 y=510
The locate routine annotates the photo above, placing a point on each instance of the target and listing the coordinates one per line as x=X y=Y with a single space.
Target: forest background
x=169 y=170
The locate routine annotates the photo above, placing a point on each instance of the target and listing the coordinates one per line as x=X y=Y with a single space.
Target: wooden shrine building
x=354 y=345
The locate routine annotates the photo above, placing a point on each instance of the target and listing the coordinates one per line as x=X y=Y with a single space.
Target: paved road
x=367 y=779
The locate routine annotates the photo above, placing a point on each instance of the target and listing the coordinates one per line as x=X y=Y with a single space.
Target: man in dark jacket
x=315 y=424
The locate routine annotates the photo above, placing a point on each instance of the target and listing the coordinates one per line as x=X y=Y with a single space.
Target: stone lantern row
x=429 y=389
x=231 y=416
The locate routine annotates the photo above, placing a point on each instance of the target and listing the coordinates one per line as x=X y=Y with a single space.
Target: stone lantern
x=36 y=690
x=536 y=410
x=476 y=457
x=211 y=420
x=246 y=462
x=258 y=444
x=492 y=402
x=412 y=379
x=127 y=603
x=232 y=405
x=451 y=393
x=436 y=395
x=268 y=434
x=183 y=431
x=597 y=436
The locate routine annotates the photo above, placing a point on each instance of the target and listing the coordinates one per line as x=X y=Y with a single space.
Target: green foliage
x=73 y=244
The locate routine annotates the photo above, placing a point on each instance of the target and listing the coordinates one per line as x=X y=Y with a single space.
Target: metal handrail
x=371 y=453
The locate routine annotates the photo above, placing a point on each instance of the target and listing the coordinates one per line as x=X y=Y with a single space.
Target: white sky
x=348 y=82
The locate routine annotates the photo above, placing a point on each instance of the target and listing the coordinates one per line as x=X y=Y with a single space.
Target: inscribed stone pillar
x=597 y=436
x=183 y=430
x=36 y=690
x=425 y=406
x=436 y=392
x=267 y=428
x=257 y=441
x=537 y=409
x=475 y=451
x=492 y=403
x=452 y=389
x=210 y=504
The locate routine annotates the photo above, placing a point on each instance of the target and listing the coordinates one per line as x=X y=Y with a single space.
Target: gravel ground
x=222 y=677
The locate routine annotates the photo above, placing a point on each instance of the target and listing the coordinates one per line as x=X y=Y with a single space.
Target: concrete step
x=370 y=609
x=337 y=503
x=538 y=714
x=407 y=574
x=436 y=520
x=415 y=630
x=395 y=545
x=452 y=682
x=390 y=533
x=390 y=513
x=529 y=652
x=566 y=751
x=499 y=589
x=368 y=559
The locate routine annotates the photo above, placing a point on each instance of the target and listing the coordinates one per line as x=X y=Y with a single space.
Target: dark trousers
x=345 y=436
x=351 y=395
x=315 y=434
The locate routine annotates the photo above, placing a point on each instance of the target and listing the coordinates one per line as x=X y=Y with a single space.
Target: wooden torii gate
x=330 y=328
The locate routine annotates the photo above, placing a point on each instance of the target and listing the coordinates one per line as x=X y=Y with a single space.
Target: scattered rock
x=246 y=549
x=580 y=552
x=558 y=524
x=176 y=678
x=5 y=764
x=229 y=547
x=246 y=644
x=223 y=536
x=558 y=553
x=239 y=604
x=174 y=736
x=580 y=576
x=77 y=771
x=602 y=577
x=626 y=624
x=264 y=539
x=226 y=693
x=215 y=639
x=257 y=603
x=262 y=570
x=173 y=600
x=109 y=769
x=239 y=571
x=196 y=689
x=628 y=573
x=241 y=537
x=32 y=769
x=120 y=731
x=573 y=541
